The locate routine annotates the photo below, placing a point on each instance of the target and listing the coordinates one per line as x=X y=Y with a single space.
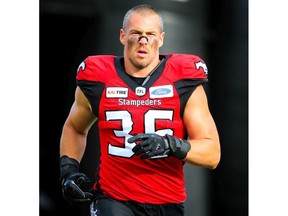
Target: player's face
x=142 y=39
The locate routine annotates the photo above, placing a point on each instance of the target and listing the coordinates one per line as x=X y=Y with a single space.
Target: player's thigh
x=109 y=207
x=172 y=209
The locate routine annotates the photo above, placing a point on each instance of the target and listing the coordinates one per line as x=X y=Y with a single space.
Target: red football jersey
x=125 y=108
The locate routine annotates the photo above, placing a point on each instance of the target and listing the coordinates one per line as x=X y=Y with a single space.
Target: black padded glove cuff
x=178 y=147
x=68 y=166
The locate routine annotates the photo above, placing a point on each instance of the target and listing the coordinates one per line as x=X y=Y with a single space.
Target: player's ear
x=161 y=40
x=122 y=36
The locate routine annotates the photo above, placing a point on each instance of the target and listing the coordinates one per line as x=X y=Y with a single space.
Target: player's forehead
x=148 y=22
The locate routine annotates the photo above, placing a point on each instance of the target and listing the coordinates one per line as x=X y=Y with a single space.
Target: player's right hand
x=72 y=192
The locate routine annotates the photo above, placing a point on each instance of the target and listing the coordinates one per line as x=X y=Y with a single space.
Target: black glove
x=71 y=179
x=151 y=145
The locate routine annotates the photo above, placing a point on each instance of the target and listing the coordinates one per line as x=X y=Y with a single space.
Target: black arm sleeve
x=93 y=92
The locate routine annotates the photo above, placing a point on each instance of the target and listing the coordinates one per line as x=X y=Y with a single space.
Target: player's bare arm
x=202 y=131
x=76 y=127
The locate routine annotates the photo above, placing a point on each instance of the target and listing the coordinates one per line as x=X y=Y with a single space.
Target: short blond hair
x=143 y=9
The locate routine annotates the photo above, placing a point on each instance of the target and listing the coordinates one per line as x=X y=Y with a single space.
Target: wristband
x=178 y=147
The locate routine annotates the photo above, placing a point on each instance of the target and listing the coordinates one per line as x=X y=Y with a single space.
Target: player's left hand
x=149 y=145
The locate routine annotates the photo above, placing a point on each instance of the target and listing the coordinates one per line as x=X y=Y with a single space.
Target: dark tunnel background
x=215 y=30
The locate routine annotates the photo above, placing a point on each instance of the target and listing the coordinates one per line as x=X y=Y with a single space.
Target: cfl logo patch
x=140 y=91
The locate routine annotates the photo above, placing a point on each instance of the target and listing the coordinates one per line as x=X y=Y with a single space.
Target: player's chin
x=140 y=63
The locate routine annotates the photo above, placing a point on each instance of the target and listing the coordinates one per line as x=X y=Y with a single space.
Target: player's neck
x=140 y=73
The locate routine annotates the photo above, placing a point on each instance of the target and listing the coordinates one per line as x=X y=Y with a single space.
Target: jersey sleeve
x=88 y=79
x=197 y=67
x=87 y=70
x=191 y=72
x=190 y=66
x=187 y=71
